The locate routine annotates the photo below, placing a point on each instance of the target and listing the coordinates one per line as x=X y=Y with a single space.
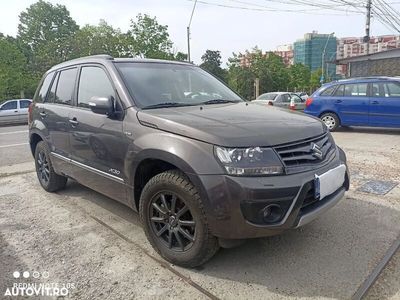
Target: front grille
x=309 y=197
x=301 y=153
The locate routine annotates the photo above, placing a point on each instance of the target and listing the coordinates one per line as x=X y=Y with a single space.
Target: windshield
x=155 y=85
x=269 y=96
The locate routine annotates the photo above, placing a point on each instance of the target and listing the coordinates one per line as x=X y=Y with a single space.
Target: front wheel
x=331 y=121
x=174 y=220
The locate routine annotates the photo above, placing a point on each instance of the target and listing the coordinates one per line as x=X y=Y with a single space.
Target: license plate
x=327 y=183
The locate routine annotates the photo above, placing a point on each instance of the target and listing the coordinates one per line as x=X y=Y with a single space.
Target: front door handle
x=74 y=122
x=338 y=101
x=375 y=102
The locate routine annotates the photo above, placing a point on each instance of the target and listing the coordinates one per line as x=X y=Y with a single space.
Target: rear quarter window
x=40 y=95
x=328 y=91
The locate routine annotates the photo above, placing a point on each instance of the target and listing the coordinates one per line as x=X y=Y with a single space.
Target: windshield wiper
x=219 y=101
x=166 y=104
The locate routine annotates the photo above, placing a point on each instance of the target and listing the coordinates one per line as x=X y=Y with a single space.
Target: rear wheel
x=174 y=220
x=48 y=178
x=331 y=121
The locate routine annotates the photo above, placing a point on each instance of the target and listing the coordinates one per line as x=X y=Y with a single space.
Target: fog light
x=272 y=213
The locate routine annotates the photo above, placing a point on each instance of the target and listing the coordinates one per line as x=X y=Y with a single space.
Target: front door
x=9 y=112
x=385 y=104
x=97 y=141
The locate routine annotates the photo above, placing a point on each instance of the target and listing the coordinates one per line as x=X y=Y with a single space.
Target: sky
x=213 y=27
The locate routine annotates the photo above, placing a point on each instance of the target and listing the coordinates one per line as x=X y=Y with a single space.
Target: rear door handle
x=73 y=122
x=42 y=114
x=375 y=102
x=338 y=101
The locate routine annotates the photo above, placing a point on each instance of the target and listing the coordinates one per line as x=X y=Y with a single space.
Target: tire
x=47 y=177
x=331 y=120
x=165 y=223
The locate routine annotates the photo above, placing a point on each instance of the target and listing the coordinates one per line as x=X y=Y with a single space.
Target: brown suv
x=203 y=167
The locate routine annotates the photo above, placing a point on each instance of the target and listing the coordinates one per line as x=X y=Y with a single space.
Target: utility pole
x=257 y=87
x=188 y=30
x=367 y=25
x=323 y=59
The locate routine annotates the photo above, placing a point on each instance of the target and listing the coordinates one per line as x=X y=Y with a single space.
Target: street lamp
x=323 y=59
x=188 y=30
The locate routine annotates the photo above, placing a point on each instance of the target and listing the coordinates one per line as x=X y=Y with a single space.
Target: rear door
x=385 y=104
x=351 y=102
x=98 y=143
x=9 y=112
x=56 y=109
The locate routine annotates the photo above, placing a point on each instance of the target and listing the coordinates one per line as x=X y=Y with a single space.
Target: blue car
x=371 y=101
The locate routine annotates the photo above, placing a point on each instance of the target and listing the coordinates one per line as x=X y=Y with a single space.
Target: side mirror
x=102 y=105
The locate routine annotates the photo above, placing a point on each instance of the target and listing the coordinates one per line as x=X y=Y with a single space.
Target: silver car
x=14 y=111
x=281 y=99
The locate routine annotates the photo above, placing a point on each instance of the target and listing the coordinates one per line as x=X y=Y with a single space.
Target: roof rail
x=105 y=56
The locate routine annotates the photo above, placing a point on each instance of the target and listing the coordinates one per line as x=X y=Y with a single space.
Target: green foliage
x=12 y=63
x=212 y=63
x=101 y=39
x=299 y=76
x=46 y=30
x=147 y=38
x=315 y=79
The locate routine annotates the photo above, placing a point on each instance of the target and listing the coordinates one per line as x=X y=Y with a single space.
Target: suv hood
x=234 y=124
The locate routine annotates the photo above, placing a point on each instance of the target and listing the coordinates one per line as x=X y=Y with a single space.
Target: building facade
x=355 y=46
x=286 y=52
x=309 y=51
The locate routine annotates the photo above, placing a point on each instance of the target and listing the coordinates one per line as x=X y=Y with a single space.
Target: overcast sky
x=216 y=28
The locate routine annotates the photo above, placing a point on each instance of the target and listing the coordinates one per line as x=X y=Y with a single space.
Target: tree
x=315 y=79
x=12 y=63
x=212 y=63
x=101 y=39
x=147 y=38
x=299 y=77
x=267 y=67
x=46 y=29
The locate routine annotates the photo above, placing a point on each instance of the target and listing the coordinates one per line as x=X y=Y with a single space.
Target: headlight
x=254 y=161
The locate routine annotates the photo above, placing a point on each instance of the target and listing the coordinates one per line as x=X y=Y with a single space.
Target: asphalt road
x=83 y=238
x=14 y=147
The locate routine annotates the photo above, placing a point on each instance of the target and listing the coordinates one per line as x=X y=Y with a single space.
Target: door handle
x=74 y=122
x=15 y=110
x=338 y=101
x=42 y=114
x=375 y=102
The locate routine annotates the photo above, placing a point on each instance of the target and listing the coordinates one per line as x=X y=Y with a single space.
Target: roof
x=392 y=53
x=105 y=57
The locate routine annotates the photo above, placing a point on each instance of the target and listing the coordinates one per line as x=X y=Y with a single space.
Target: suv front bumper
x=233 y=204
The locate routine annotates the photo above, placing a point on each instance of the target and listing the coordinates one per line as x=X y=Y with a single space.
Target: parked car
x=203 y=167
x=303 y=95
x=280 y=99
x=371 y=101
x=14 y=111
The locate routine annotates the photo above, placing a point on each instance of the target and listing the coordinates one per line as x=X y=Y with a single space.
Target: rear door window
x=65 y=86
x=24 y=103
x=339 y=91
x=392 y=90
x=355 y=90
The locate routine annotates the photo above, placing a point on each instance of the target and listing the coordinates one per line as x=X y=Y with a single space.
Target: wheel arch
x=151 y=162
x=34 y=139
